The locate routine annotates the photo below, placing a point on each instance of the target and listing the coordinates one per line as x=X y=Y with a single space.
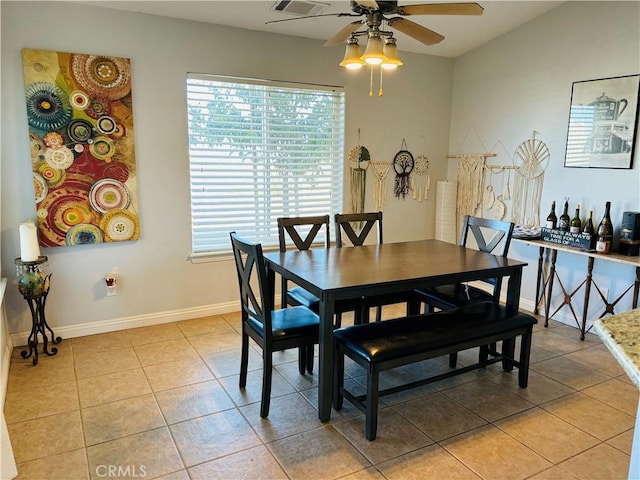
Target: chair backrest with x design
x=488 y=235
x=366 y=221
x=295 y=228
x=252 y=271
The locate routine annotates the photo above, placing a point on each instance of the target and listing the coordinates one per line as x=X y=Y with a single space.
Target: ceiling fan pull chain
x=381 y=92
x=371 y=82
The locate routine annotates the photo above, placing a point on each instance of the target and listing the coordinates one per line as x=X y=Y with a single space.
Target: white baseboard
x=104 y=326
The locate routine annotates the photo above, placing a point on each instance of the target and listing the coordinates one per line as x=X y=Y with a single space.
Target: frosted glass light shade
x=391 y=52
x=351 y=58
x=374 y=54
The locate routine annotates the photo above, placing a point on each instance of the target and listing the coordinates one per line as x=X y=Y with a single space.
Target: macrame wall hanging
x=403 y=164
x=358 y=176
x=470 y=182
x=421 y=180
x=530 y=160
x=380 y=170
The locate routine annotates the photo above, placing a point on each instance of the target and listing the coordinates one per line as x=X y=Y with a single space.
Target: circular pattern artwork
x=102 y=75
x=80 y=130
x=84 y=234
x=106 y=125
x=109 y=194
x=119 y=226
x=40 y=187
x=53 y=176
x=62 y=209
x=102 y=148
x=48 y=106
x=60 y=158
x=79 y=100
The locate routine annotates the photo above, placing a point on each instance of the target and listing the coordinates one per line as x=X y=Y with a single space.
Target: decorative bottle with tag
x=605 y=231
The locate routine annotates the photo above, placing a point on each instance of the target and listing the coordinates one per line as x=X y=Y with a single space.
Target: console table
x=544 y=283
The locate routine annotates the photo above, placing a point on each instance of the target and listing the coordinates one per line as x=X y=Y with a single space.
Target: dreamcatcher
x=422 y=185
x=403 y=164
x=530 y=161
x=358 y=176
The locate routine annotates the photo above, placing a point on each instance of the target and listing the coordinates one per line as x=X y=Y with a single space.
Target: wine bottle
x=565 y=219
x=552 y=220
x=588 y=225
x=576 y=223
x=605 y=231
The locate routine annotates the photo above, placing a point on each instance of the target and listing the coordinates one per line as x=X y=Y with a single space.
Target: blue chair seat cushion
x=406 y=336
x=290 y=322
x=300 y=296
x=454 y=295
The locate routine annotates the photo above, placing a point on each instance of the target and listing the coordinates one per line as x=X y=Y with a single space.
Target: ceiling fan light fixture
x=391 y=52
x=351 y=60
x=374 y=53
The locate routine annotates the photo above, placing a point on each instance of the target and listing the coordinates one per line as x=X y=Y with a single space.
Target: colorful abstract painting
x=80 y=117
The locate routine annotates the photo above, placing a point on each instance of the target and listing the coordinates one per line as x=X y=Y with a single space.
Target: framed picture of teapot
x=603 y=121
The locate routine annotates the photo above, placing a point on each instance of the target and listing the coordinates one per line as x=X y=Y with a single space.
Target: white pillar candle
x=29 y=248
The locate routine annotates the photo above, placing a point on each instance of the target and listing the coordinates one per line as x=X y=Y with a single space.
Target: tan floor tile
x=554 y=473
x=616 y=394
x=622 y=442
x=590 y=415
x=154 y=334
x=43 y=437
x=179 y=475
x=41 y=402
x=63 y=466
x=395 y=436
x=226 y=363
x=118 y=419
x=148 y=454
x=487 y=400
x=219 y=341
x=24 y=376
x=252 y=393
x=100 y=342
x=442 y=419
x=598 y=358
x=371 y=473
x=540 y=388
x=320 y=450
x=107 y=361
x=539 y=354
x=291 y=373
x=191 y=401
x=570 y=373
x=112 y=387
x=201 y=326
x=213 y=436
x=288 y=415
x=600 y=462
x=547 y=435
x=487 y=450
x=184 y=371
x=253 y=463
x=167 y=351
x=426 y=463
x=557 y=343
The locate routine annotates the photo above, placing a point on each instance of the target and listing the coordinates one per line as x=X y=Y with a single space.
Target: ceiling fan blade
x=368 y=4
x=441 y=9
x=420 y=33
x=343 y=34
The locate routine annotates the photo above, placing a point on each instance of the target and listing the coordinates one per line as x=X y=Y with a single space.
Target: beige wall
x=156 y=280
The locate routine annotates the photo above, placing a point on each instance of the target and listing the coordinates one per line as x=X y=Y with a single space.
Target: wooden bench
x=402 y=341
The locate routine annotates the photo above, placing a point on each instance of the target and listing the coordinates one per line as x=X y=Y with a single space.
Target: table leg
x=636 y=289
x=325 y=362
x=539 y=281
x=587 y=292
x=552 y=273
x=513 y=290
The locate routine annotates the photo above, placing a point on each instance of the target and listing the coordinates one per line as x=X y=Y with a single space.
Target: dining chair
x=489 y=235
x=272 y=330
x=357 y=227
x=302 y=231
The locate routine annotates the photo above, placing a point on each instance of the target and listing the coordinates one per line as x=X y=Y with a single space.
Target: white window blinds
x=258 y=151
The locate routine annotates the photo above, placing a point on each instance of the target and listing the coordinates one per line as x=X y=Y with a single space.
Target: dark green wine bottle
x=588 y=225
x=552 y=220
x=565 y=219
x=576 y=223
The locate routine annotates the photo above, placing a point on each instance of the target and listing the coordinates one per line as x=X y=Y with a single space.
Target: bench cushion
x=406 y=336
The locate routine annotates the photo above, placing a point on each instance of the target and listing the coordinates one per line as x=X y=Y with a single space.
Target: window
x=260 y=150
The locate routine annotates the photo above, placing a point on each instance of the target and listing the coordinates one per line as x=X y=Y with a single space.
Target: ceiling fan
x=377 y=11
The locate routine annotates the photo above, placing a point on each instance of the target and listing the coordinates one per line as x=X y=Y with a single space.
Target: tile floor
x=163 y=402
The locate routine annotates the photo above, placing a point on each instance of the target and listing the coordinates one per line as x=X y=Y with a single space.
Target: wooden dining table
x=336 y=274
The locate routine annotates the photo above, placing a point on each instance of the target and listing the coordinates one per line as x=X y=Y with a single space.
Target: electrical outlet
x=111 y=279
